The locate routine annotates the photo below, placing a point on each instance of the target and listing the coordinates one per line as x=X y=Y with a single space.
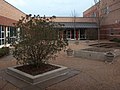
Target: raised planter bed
x=37 y=78
x=95 y=53
x=106 y=45
x=26 y=81
x=89 y=55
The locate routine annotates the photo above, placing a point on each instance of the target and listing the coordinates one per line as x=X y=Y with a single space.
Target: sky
x=58 y=8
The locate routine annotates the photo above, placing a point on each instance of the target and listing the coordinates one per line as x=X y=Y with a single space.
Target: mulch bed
x=33 y=70
x=106 y=45
x=98 y=49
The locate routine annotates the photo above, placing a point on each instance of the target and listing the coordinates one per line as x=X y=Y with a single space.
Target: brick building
x=78 y=28
x=109 y=11
x=75 y=28
x=8 y=15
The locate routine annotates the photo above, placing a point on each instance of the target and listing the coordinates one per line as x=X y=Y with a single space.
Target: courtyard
x=93 y=74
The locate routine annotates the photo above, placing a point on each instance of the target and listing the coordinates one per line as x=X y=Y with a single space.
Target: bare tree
x=98 y=20
x=74 y=20
x=99 y=16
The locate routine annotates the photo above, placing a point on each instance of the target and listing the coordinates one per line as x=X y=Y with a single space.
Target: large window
x=114 y=31
x=12 y=31
x=0 y=31
x=3 y=41
x=2 y=35
x=3 y=28
x=68 y=34
x=12 y=34
x=0 y=41
x=7 y=34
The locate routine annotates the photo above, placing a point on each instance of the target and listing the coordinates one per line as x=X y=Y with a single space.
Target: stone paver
x=94 y=75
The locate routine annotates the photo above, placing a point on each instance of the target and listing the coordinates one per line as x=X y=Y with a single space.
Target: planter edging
x=38 y=78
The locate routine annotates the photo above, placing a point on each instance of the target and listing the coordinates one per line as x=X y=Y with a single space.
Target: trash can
x=69 y=52
x=109 y=57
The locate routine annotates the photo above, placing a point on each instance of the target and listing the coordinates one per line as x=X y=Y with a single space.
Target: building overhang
x=78 y=25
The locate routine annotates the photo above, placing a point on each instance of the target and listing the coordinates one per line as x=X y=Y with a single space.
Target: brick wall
x=89 y=12
x=110 y=31
x=113 y=15
x=6 y=21
x=110 y=12
x=9 y=11
x=71 y=19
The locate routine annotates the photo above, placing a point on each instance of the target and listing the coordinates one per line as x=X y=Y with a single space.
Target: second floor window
x=105 y=10
x=93 y=14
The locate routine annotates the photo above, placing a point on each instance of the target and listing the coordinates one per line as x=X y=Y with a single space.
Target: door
x=82 y=34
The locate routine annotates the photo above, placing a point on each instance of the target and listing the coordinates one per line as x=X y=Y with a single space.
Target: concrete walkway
x=94 y=75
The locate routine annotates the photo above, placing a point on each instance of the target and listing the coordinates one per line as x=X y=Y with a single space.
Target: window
x=3 y=28
x=114 y=31
x=13 y=31
x=0 y=41
x=105 y=10
x=93 y=14
x=0 y=32
x=2 y=35
x=8 y=29
x=68 y=34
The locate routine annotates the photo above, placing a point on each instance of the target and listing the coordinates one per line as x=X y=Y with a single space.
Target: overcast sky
x=53 y=7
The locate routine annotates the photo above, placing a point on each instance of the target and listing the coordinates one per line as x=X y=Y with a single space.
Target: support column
x=76 y=34
x=70 y=34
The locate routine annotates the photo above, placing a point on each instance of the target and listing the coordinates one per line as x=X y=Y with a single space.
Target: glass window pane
x=0 y=31
x=2 y=35
x=0 y=41
x=12 y=31
x=8 y=28
x=2 y=28
x=68 y=35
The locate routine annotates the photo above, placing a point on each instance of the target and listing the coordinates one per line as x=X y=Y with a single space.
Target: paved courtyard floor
x=94 y=75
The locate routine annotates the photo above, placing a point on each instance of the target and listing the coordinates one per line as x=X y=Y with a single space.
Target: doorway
x=82 y=34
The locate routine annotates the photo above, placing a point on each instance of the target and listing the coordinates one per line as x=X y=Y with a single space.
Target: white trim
x=4 y=45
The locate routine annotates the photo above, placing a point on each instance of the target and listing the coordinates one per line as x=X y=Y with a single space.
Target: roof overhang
x=78 y=25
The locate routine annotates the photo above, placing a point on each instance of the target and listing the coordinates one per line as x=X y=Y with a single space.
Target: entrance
x=82 y=34
x=72 y=34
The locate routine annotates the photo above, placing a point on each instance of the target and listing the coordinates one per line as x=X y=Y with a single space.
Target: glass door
x=82 y=34
x=72 y=35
